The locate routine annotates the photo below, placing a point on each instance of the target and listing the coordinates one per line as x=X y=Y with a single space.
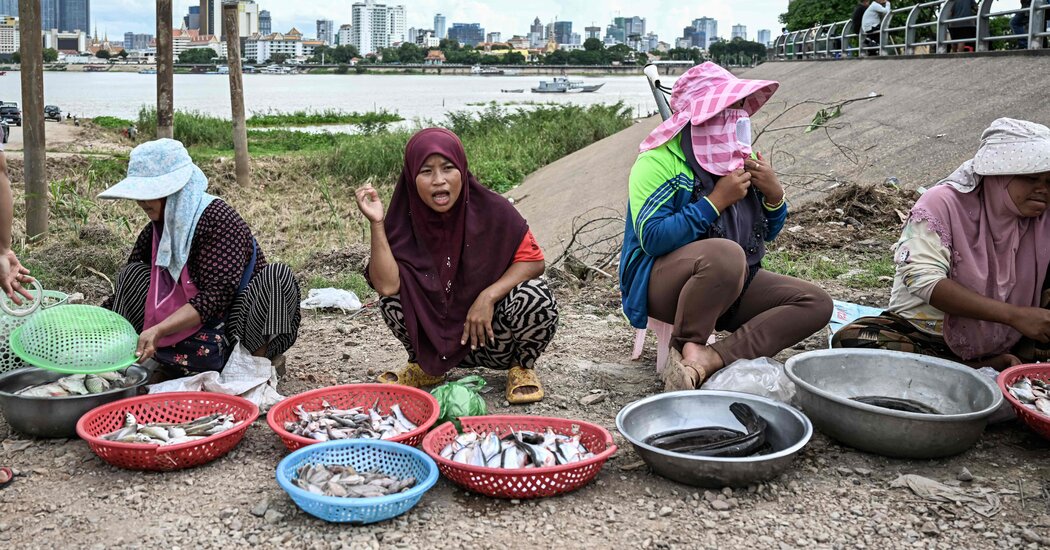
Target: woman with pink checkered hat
x=700 y=210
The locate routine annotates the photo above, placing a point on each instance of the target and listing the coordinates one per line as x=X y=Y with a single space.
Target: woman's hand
x=1033 y=322
x=369 y=204
x=12 y=275
x=147 y=346
x=765 y=179
x=730 y=189
x=478 y=328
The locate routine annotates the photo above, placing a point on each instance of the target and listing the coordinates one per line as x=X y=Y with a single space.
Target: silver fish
x=162 y=433
x=77 y=384
x=516 y=450
x=331 y=423
x=336 y=480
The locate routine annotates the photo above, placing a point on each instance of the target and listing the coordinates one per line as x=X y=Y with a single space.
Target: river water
x=414 y=97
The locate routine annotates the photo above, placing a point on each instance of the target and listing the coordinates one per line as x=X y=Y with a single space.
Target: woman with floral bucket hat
x=197 y=280
x=971 y=282
x=701 y=207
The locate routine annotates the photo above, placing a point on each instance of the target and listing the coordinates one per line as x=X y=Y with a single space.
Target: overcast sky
x=664 y=17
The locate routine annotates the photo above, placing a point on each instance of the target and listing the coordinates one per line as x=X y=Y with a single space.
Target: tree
x=557 y=57
x=123 y=55
x=101 y=54
x=50 y=55
x=448 y=44
x=805 y=14
x=514 y=58
x=593 y=45
x=277 y=58
x=620 y=53
x=410 y=53
x=197 y=56
x=684 y=54
x=16 y=57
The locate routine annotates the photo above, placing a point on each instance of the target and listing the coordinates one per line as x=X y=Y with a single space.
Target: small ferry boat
x=561 y=85
x=148 y=71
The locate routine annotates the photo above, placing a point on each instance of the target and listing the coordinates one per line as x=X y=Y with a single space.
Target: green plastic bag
x=460 y=398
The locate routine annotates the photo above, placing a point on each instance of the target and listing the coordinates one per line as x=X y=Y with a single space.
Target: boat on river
x=562 y=85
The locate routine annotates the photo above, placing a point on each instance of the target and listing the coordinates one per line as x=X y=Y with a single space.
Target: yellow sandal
x=409 y=375
x=519 y=377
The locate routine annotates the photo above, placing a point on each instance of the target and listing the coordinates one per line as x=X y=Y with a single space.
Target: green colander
x=76 y=339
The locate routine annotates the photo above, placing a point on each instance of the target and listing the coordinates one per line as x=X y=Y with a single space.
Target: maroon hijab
x=446 y=260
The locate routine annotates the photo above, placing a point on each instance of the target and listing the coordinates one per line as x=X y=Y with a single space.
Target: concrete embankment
x=928 y=120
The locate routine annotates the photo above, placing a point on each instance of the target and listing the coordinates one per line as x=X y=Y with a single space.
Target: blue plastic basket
x=389 y=458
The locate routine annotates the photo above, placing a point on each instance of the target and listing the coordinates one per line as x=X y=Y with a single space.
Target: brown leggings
x=694 y=286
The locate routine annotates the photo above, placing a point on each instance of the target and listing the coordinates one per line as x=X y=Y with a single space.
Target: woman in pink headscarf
x=972 y=260
x=700 y=210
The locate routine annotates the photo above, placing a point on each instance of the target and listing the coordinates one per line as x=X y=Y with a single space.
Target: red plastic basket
x=165 y=407
x=1040 y=423
x=417 y=405
x=529 y=482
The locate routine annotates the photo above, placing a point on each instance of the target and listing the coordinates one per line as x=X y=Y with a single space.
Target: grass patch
x=354 y=282
x=111 y=122
x=856 y=272
x=274 y=119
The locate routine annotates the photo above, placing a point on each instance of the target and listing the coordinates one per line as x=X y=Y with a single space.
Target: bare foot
x=702 y=357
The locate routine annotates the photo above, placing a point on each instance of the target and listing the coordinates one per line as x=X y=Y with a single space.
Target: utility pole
x=34 y=155
x=233 y=57
x=165 y=70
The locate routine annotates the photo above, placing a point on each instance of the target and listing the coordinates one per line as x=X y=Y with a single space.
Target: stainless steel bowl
x=788 y=431
x=55 y=416
x=828 y=379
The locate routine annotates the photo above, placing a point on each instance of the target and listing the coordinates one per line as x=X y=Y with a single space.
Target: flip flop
x=681 y=374
x=6 y=473
x=409 y=375
x=519 y=377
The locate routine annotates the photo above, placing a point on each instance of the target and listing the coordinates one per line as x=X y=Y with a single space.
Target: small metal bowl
x=827 y=381
x=55 y=416
x=788 y=432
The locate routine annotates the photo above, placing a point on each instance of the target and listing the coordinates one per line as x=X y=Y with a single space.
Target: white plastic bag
x=331 y=298
x=762 y=376
x=250 y=377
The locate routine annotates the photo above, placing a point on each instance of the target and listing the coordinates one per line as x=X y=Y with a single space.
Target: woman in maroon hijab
x=457 y=271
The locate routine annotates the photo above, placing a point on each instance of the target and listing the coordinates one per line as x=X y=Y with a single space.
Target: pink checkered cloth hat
x=701 y=93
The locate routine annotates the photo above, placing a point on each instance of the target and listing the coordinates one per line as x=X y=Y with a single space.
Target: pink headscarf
x=996 y=253
x=701 y=98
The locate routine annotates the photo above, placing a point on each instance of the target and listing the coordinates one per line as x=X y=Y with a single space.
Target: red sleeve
x=529 y=251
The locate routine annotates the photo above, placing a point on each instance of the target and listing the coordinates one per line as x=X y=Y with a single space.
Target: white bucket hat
x=1010 y=147
x=157 y=169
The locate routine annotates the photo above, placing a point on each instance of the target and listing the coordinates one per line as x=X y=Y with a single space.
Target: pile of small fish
x=331 y=423
x=172 y=434
x=718 y=441
x=516 y=450
x=77 y=384
x=1032 y=393
x=336 y=480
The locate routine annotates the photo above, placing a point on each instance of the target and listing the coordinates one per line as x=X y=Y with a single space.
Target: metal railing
x=911 y=35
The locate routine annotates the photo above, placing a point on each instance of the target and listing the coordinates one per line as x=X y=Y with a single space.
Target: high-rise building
x=74 y=15
x=563 y=32
x=413 y=34
x=467 y=34
x=536 y=36
x=326 y=31
x=397 y=19
x=211 y=17
x=439 y=27
x=739 y=31
x=192 y=19
x=494 y=37
x=9 y=7
x=247 y=18
x=625 y=30
x=265 y=23
x=345 y=36
x=765 y=36
x=709 y=27
x=137 y=41
x=592 y=32
x=8 y=34
x=49 y=14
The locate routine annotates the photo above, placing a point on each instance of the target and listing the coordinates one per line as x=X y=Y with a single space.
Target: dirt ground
x=832 y=497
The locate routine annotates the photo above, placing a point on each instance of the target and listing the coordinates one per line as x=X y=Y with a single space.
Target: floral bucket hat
x=703 y=92
x=157 y=169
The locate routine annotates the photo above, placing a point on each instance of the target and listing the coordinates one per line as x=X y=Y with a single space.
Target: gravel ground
x=833 y=497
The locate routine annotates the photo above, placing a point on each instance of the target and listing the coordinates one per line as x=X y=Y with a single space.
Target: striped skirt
x=265 y=314
x=524 y=322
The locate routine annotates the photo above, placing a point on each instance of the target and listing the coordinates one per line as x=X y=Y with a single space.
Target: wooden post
x=233 y=54
x=32 y=51
x=165 y=69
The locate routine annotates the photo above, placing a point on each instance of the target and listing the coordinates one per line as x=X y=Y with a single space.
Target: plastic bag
x=762 y=376
x=331 y=298
x=253 y=378
x=460 y=398
x=846 y=312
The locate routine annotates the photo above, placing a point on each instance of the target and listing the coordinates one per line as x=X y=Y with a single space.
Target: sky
x=665 y=17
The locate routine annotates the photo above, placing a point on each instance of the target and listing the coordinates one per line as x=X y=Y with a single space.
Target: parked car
x=11 y=113
x=52 y=112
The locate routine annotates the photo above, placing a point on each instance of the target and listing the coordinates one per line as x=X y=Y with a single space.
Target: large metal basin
x=827 y=379
x=55 y=416
x=788 y=431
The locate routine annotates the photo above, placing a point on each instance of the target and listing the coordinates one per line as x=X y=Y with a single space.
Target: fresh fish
x=1033 y=393
x=336 y=480
x=331 y=423
x=521 y=449
x=162 y=433
x=1022 y=390
x=1043 y=405
x=77 y=384
x=716 y=441
x=95 y=384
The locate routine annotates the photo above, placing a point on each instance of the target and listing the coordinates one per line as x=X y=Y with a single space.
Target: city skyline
x=662 y=17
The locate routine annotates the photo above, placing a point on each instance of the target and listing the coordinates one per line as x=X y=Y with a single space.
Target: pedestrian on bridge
x=963 y=30
x=872 y=24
